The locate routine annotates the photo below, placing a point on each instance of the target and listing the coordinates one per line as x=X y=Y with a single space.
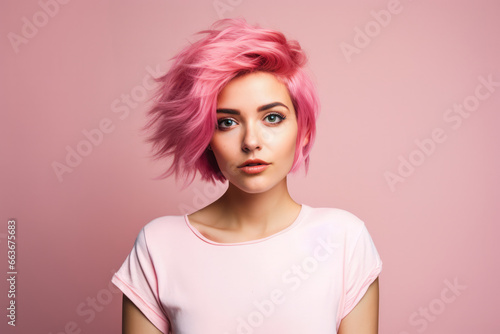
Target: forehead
x=253 y=89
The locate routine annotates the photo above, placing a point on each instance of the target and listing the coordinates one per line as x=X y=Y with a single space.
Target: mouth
x=253 y=162
x=253 y=167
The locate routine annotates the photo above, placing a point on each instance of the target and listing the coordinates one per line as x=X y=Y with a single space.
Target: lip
x=252 y=162
x=254 y=169
x=249 y=167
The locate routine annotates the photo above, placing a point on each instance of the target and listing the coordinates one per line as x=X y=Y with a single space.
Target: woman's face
x=256 y=134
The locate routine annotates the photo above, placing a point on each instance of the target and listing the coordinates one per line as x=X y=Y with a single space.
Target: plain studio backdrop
x=407 y=140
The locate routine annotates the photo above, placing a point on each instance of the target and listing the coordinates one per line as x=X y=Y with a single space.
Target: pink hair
x=183 y=118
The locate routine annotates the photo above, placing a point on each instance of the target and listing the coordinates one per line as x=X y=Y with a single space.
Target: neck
x=258 y=211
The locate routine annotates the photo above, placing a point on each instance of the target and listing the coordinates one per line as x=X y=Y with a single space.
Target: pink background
x=436 y=224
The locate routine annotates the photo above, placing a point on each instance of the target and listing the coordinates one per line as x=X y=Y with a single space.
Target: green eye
x=225 y=123
x=275 y=118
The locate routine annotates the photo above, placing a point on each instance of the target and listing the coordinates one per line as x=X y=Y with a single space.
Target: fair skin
x=256 y=120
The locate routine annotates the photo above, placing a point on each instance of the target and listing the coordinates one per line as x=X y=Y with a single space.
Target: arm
x=363 y=319
x=134 y=322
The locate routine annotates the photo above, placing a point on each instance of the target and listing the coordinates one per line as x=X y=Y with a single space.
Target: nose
x=251 y=139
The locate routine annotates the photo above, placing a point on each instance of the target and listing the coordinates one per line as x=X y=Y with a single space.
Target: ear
x=306 y=139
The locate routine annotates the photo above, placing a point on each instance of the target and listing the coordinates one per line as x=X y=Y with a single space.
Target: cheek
x=291 y=148
x=222 y=152
x=284 y=140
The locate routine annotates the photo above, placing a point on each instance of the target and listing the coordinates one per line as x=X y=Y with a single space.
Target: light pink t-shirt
x=303 y=279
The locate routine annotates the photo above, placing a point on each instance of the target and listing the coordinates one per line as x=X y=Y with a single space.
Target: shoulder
x=162 y=229
x=335 y=217
x=164 y=222
x=344 y=228
x=341 y=225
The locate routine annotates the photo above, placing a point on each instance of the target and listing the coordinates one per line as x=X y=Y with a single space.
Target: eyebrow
x=261 y=108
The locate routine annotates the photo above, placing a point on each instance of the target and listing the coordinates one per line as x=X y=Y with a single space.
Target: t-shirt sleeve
x=363 y=266
x=137 y=279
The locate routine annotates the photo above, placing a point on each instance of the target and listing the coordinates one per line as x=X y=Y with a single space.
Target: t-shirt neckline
x=296 y=222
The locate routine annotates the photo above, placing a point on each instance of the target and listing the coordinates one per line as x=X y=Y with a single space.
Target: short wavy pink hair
x=183 y=117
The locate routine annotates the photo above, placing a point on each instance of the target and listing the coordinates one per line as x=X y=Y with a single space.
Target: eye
x=225 y=123
x=275 y=118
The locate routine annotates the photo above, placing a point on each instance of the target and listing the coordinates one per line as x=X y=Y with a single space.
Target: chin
x=256 y=186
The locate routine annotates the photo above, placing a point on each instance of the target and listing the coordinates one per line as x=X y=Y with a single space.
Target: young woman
x=237 y=106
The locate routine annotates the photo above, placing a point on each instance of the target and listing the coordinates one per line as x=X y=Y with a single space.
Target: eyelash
x=280 y=116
